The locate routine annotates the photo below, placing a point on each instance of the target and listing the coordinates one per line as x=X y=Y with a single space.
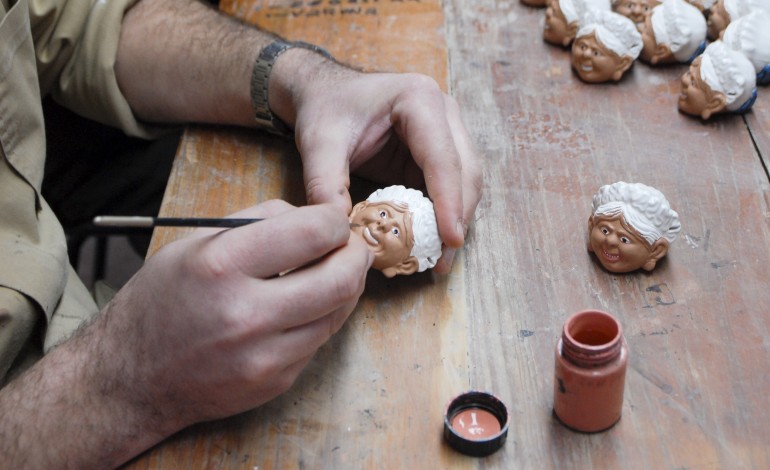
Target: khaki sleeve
x=76 y=46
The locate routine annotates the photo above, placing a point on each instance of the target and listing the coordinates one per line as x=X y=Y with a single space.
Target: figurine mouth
x=587 y=67
x=367 y=234
x=610 y=257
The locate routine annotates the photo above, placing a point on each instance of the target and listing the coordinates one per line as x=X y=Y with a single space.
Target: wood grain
x=697 y=327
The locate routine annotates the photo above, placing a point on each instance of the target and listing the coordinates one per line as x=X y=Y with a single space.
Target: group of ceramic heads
x=607 y=36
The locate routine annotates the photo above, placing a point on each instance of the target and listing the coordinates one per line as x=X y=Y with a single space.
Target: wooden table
x=698 y=327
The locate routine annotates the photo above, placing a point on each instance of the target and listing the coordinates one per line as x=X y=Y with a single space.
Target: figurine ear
x=407 y=266
x=716 y=104
x=661 y=52
x=659 y=250
x=624 y=64
x=358 y=208
x=590 y=228
x=572 y=30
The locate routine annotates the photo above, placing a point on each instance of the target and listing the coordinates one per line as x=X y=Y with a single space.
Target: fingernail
x=462 y=228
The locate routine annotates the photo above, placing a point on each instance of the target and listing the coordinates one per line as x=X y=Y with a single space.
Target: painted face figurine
x=720 y=80
x=399 y=227
x=675 y=31
x=631 y=227
x=563 y=18
x=722 y=12
x=750 y=34
x=634 y=10
x=605 y=47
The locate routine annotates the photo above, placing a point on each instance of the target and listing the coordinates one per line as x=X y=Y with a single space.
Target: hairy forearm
x=183 y=61
x=73 y=410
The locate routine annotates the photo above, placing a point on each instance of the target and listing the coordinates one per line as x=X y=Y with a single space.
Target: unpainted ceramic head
x=720 y=80
x=750 y=35
x=631 y=227
x=605 y=47
x=399 y=226
x=634 y=10
x=563 y=18
x=722 y=12
x=675 y=31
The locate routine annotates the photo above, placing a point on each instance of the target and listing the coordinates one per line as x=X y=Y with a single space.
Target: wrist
x=271 y=93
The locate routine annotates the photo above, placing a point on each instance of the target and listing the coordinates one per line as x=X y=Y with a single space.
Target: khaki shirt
x=65 y=48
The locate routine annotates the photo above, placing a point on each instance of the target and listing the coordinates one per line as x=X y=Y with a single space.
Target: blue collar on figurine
x=749 y=102
x=698 y=51
x=763 y=77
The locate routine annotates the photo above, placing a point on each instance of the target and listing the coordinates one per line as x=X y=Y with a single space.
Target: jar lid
x=476 y=423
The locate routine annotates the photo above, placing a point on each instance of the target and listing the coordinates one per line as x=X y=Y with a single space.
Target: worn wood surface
x=697 y=327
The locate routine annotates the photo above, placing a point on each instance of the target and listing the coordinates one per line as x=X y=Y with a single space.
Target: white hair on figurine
x=729 y=72
x=738 y=8
x=575 y=10
x=750 y=35
x=643 y=207
x=427 y=243
x=680 y=26
x=616 y=32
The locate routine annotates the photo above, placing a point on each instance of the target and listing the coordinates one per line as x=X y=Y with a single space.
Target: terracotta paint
x=476 y=424
x=590 y=371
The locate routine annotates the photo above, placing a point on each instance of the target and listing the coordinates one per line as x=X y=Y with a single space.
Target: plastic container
x=590 y=371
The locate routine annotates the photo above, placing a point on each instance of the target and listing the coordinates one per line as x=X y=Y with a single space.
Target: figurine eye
x=383 y=214
x=605 y=230
x=395 y=231
x=625 y=240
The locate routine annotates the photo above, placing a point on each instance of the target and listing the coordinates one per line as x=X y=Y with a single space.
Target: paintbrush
x=149 y=222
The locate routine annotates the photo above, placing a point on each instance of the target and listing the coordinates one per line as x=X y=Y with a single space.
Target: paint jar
x=476 y=423
x=590 y=372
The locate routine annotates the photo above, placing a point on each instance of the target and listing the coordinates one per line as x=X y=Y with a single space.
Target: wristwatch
x=260 y=76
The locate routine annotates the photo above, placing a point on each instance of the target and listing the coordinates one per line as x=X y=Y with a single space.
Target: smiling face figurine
x=750 y=35
x=631 y=227
x=399 y=226
x=563 y=18
x=605 y=47
x=634 y=10
x=720 y=80
x=675 y=31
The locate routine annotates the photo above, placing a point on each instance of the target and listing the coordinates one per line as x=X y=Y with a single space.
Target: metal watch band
x=260 y=77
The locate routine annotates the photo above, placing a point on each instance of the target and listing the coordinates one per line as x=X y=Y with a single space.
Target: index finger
x=283 y=242
x=421 y=119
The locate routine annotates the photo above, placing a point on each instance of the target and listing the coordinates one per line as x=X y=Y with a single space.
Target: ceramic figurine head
x=722 y=12
x=605 y=47
x=750 y=34
x=563 y=18
x=399 y=227
x=631 y=227
x=675 y=31
x=634 y=10
x=719 y=80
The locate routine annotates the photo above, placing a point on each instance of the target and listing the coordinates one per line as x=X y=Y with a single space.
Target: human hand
x=390 y=128
x=208 y=329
